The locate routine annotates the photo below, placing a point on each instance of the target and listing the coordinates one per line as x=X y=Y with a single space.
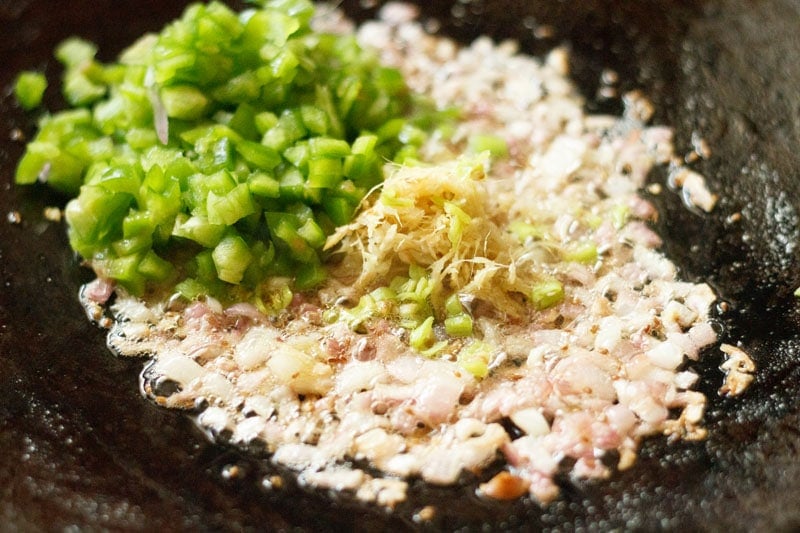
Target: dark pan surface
x=80 y=447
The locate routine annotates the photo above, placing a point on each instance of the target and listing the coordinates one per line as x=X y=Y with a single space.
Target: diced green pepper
x=153 y=267
x=29 y=89
x=458 y=325
x=492 y=143
x=198 y=229
x=231 y=258
x=581 y=252
x=197 y=130
x=184 y=102
x=547 y=293
x=475 y=358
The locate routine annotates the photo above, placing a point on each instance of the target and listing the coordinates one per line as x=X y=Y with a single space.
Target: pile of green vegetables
x=220 y=153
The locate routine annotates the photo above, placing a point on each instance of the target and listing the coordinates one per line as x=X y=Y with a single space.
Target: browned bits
x=504 y=486
x=425 y=514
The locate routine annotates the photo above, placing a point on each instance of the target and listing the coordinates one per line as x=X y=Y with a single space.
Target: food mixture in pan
x=379 y=254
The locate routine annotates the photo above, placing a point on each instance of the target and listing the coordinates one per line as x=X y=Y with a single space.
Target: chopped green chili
x=189 y=158
x=29 y=89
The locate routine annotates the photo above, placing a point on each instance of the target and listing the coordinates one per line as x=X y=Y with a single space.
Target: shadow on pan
x=81 y=447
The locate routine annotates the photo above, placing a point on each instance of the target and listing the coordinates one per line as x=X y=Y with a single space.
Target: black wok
x=80 y=447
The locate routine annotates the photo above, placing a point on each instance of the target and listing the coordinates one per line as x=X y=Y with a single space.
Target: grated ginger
x=438 y=217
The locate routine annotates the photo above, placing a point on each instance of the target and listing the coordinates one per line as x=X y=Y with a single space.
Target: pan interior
x=85 y=448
